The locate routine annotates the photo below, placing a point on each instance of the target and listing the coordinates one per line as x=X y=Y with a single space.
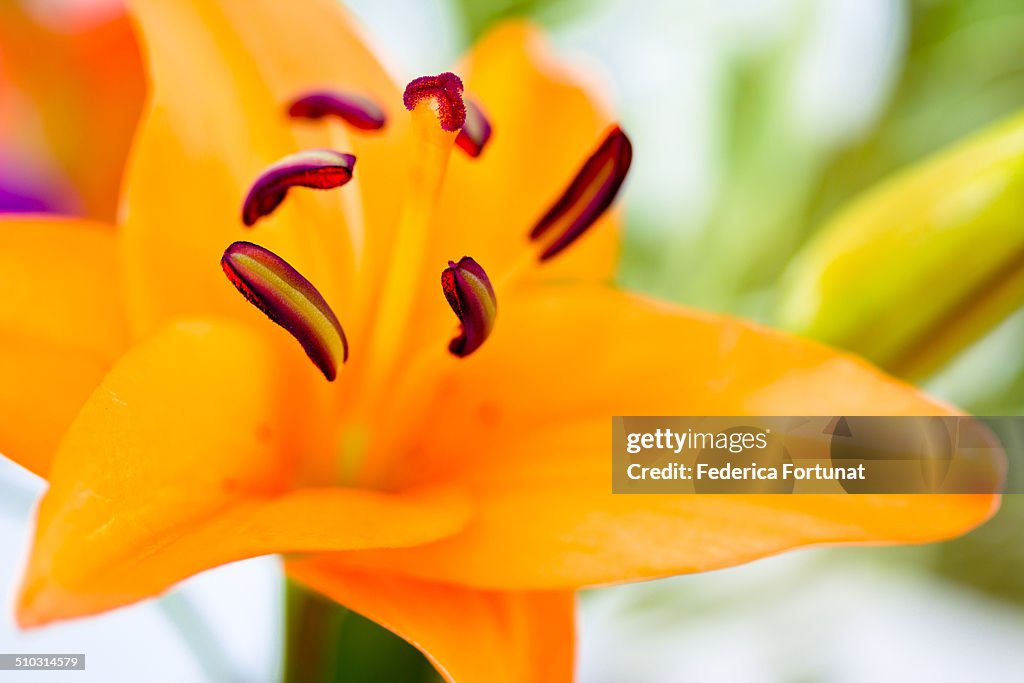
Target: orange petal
x=525 y=424
x=471 y=636
x=333 y=53
x=221 y=73
x=60 y=329
x=545 y=124
x=322 y=47
x=182 y=460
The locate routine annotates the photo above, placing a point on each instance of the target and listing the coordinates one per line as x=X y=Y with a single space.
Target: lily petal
x=525 y=425
x=214 y=122
x=60 y=329
x=515 y=637
x=334 y=54
x=183 y=459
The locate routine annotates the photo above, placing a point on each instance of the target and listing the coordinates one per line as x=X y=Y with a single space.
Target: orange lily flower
x=457 y=490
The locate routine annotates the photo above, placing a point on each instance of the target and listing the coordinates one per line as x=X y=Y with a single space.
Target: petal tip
x=36 y=605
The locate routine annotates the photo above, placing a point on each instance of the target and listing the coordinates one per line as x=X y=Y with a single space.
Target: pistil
x=438 y=113
x=441 y=94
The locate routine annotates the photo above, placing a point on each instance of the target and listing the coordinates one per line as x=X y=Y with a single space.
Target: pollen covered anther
x=355 y=110
x=471 y=296
x=446 y=91
x=588 y=196
x=476 y=132
x=319 y=169
x=270 y=284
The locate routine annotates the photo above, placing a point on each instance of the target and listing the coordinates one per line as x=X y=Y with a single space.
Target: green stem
x=326 y=643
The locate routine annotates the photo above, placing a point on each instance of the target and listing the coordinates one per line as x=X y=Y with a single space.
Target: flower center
x=441 y=119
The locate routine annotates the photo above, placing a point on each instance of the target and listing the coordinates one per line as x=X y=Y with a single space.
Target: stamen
x=320 y=169
x=290 y=300
x=476 y=132
x=355 y=110
x=445 y=92
x=471 y=296
x=589 y=194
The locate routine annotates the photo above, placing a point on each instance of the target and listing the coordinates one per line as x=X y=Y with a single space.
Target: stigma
x=320 y=169
x=443 y=93
x=270 y=284
x=471 y=296
x=587 y=197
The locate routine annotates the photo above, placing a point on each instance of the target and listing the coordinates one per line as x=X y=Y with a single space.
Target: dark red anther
x=471 y=296
x=476 y=132
x=270 y=284
x=355 y=110
x=588 y=196
x=320 y=169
